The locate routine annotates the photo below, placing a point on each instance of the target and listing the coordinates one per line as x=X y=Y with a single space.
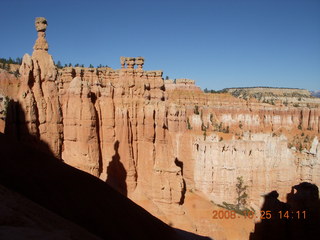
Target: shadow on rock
x=117 y=173
x=28 y=167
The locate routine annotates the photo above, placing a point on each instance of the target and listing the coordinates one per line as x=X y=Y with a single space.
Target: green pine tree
x=242 y=196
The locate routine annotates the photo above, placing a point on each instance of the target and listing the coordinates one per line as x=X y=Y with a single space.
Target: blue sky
x=218 y=43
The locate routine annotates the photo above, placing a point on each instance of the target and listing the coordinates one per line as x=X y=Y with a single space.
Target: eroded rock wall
x=124 y=124
x=220 y=138
x=121 y=115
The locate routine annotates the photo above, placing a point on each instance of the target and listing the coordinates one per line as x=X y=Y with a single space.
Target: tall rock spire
x=38 y=96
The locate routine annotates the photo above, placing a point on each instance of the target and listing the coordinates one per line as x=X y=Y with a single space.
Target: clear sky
x=218 y=43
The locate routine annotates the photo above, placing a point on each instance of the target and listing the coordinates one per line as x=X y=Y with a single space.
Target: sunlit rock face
x=272 y=146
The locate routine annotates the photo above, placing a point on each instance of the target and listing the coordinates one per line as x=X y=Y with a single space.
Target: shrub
x=272 y=102
x=299 y=126
x=196 y=110
x=242 y=195
x=244 y=211
x=188 y=124
x=211 y=118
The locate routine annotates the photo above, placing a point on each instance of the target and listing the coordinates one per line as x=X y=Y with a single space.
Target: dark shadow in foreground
x=69 y=192
x=297 y=219
x=191 y=236
x=16 y=128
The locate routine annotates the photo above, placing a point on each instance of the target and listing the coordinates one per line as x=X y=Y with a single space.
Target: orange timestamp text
x=268 y=214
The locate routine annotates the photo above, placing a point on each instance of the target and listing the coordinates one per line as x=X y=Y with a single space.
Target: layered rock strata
x=222 y=138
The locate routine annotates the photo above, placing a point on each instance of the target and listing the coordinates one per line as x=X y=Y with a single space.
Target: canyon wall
x=220 y=138
x=153 y=139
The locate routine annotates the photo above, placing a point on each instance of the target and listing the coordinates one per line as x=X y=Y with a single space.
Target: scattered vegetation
x=265 y=87
x=215 y=91
x=60 y=65
x=4 y=61
x=220 y=128
x=244 y=212
x=6 y=65
x=269 y=101
x=301 y=141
